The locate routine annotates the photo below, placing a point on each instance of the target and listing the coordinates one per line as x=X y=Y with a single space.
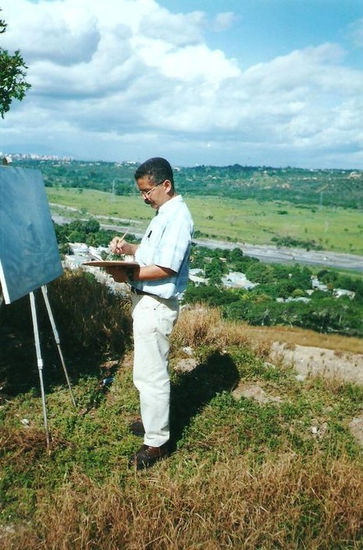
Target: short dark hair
x=158 y=170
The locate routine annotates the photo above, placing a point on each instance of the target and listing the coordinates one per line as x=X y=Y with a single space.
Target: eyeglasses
x=147 y=194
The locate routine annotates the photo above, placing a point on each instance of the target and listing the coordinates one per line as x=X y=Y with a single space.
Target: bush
x=89 y=317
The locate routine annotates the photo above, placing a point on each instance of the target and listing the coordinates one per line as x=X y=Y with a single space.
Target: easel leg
x=57 y=340
x=39 y=361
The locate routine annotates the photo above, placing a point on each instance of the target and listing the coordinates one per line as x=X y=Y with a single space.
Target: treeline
x=282 y=295
x=312 y=188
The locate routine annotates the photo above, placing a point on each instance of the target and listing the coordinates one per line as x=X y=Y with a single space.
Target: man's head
x=155 y=181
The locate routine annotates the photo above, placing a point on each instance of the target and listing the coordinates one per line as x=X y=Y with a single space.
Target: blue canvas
x=29 y=254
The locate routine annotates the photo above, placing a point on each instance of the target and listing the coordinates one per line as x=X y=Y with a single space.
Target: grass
x=242 y=474
x=304 y=337
x=335 y=229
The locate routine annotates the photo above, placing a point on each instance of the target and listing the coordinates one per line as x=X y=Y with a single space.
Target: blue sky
x=264 y=29
x=261 y=82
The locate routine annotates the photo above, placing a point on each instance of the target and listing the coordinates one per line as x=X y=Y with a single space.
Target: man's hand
x=119 y=274
x=120 y=246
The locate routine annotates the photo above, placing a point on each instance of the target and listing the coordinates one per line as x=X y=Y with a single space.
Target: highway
x=263 y=252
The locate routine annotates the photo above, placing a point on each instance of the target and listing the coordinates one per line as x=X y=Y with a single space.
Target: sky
x=253 y=82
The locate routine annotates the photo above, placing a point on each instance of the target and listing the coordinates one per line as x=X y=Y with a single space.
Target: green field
x=250 y=221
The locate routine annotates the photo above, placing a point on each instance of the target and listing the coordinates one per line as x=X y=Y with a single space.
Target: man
x=163 y=256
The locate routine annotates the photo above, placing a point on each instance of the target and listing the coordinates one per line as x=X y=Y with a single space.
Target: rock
x=254 y=391
x=356 y=428
x=188 y=350
x=319 y=431
x=186 y=365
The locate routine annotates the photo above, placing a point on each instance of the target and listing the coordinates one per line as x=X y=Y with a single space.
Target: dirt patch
x=309 y=360
x=254 y=391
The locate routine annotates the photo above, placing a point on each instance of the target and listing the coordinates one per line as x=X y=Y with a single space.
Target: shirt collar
x=169 y=204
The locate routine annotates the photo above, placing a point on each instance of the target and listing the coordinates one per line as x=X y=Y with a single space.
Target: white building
x=235 y=279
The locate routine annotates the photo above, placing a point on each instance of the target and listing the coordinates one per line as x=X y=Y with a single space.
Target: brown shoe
x=146 y=456
x=137 y=428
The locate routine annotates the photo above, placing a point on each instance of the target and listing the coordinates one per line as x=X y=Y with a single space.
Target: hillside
x=333 y=188
x=262 y=458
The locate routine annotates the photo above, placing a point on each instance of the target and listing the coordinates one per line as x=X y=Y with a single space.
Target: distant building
x=355 y=175
x=338 y=292
x=196 y=276
x=235 y=279
x=317 y=285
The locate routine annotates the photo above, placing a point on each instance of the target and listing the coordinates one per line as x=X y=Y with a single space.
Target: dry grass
x=286 y=503
x=88 y=315
x=199 y=325
x=202 y=326
x=304 y=337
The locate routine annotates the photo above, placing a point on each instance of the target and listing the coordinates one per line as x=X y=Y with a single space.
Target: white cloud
x=177 y=30
x=121 y=75
x=49 y=32
x=356 y=32
x=223 y=21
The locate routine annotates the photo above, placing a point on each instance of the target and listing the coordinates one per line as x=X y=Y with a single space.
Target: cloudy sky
x=258 y=82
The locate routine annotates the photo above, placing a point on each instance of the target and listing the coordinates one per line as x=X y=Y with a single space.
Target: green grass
x=249 y=221
x=242 y=475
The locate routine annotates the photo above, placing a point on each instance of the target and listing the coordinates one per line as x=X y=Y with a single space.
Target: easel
x=15 y=185
x=39 y=353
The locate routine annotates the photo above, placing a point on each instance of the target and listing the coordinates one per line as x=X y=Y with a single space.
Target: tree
x=215 y=270
x=12 y=75
x=236 y=255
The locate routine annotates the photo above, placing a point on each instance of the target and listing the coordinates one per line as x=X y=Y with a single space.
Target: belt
x=138 y=291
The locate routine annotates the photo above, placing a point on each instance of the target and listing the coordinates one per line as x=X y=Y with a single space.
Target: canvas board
x=29 y=256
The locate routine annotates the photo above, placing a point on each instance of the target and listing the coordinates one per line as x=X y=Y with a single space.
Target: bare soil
x=309 y=360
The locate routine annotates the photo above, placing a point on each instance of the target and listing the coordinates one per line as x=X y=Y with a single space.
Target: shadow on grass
x=18 y=359
x=191 y=391
x=93 y=325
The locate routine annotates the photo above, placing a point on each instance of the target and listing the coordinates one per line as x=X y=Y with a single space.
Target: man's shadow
x=191 y=391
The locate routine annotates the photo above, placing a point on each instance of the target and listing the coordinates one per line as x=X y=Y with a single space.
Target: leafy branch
x=12 y=76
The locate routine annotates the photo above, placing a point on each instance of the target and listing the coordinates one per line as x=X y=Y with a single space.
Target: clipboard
x=112 y=263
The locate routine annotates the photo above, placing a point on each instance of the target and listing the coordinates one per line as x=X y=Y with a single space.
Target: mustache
x=146 y=201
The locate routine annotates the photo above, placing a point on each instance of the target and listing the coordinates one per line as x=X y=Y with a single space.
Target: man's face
x=154 y=194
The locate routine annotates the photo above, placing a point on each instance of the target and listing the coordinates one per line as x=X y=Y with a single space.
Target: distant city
x=32 y=156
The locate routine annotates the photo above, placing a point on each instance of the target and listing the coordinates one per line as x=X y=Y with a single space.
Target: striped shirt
x=167 y=243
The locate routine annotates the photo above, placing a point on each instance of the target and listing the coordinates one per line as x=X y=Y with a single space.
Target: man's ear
x=168 y=186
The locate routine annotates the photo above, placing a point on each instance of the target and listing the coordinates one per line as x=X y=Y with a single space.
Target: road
x=270 y=253
x=264 y=252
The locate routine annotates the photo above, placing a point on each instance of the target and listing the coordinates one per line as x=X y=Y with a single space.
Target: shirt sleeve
x=174 y=243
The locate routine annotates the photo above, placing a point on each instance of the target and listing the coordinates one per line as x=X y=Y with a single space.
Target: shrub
x=89 y=316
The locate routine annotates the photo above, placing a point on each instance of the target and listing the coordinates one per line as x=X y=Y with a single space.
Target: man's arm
x=145 y=273
x=151 y=273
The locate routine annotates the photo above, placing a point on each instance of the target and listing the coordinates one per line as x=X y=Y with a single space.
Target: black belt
x=138 y=291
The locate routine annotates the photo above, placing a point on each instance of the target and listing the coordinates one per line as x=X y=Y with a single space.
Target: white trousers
x=153 y=321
